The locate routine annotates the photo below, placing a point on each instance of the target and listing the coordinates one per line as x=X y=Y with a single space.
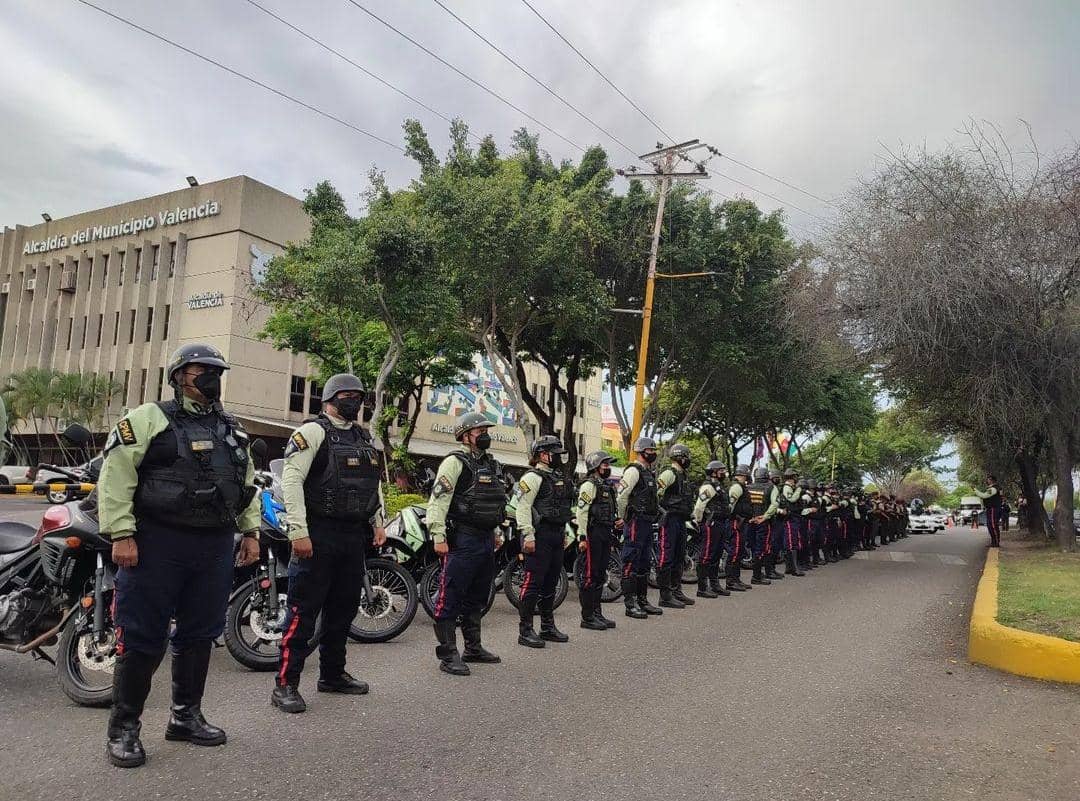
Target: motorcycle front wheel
x=84 y=666
x=612 y=589
x=429 y=589
x=391 y=607
x=252 y=635
x=515 y=576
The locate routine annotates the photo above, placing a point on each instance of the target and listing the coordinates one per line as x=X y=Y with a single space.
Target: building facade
x=114 y=291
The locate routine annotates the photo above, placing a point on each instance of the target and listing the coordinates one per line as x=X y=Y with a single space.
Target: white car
x=925 y=522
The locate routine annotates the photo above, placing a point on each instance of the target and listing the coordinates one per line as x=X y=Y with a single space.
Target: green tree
x=898 y=443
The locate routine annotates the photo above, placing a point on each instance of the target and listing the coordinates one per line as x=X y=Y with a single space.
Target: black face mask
x=683 y=462
x=349 y=408
x=649 y=457
x=483 y=441
x=209 y=384
x=604 y=472
x=556 y=461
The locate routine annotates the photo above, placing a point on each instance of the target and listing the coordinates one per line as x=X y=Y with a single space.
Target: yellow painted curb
x=1022 y=652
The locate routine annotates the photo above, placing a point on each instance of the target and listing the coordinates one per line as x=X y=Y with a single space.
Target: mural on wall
x=481 y=391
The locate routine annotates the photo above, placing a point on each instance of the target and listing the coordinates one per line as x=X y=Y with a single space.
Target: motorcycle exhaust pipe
x=37 y=642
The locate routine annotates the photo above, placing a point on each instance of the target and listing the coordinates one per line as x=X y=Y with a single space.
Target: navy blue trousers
x=467 y=573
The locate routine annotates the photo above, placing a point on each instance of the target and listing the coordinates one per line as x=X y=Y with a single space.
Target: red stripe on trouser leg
x=705 y=558
x=663 y=543
x=787 y=535
x=768 y=539
x=525 y=583
x=286 y=650
x=588 y=564
x=440 y=597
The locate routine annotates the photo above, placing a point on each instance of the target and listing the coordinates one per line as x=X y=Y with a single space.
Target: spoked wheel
x=612 y=588
x=515 y=577
x=252 y=631
x=429 y=589
x=84 y=665
x=689 y=571
x=392 y=604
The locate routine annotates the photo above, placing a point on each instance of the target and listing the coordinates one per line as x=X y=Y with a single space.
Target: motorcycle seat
x=15 y=536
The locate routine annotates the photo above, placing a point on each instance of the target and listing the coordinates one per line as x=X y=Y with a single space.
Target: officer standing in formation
x=639 y=509
x=789 y=501
x=544 y=507
x=712 y=514
x=468 y=503
x=762 y=509
x=596 y=534
x=331 y=488
x=176 y=484
x=677 y=502
x=741 y=512
x=993 y=502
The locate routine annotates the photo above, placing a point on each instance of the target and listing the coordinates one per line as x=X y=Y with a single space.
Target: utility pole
x=664 y=160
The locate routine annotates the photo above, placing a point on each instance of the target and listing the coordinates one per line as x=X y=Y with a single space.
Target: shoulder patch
x=125 y=432
x=523 y=485
x=442 y=486
x=298 y=440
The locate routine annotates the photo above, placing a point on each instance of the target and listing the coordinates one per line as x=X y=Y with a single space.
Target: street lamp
x=192 y=182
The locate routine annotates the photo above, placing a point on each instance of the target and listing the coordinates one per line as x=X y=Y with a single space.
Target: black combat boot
x=770 y=567
x=667 y=597
x=734 y=578
x=792 y=568
x=629 y=595
x=548 y=630
x=676 y=589
x=703 y=588
x=287 y=698
x=758 y=576
x=132 y=674
x=449 y=658
x=590 y=606
x=526 y=633
x=188 y=683
x=643 y=596
x=343 y=684
x=474 y=651
x=598 y=611
x=714 y=581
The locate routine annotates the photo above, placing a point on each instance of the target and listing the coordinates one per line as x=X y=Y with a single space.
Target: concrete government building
x=114 y=291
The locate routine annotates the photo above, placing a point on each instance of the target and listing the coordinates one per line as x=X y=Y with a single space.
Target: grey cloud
x=111 y=156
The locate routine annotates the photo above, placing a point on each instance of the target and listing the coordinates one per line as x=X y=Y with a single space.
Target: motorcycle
x=77 y=477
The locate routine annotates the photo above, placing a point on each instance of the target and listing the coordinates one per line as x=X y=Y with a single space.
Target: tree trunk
x=1033 y=518
x=390 y=359
x=1061 y=448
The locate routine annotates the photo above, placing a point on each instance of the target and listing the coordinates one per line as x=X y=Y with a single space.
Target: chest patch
x=202 y=445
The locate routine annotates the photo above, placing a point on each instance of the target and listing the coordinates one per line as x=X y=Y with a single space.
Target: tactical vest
x=791 y=508
x=835 y=512
x=760 y=492
x=847 y=512
x=679 y=497
x=818 y=505
x=602 y=510
x=718 y=508
x=743 y=508
x=992 y=501
x=643 y=501
x=554 y=500
x=193 y=472
x=343 y=483
x=479 y=497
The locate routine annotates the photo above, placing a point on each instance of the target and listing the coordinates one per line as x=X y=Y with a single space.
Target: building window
x=100 y=322
x=142 y=385
x=149 y=322
x=84 y=321
x=71 y=328
x=172 y=259
x=160 y=382
x=116 y=330
x=315 y=402
x=296 y=394
x=580 y=444
x=127 y=379
x=157 y=261
x=558 y=404
x=581 y=406
x=165 y=323
x=138 y=265
x=131 y=328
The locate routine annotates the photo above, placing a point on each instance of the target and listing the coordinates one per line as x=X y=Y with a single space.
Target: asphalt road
x=848 y=684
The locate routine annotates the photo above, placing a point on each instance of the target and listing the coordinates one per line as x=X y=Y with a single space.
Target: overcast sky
x=97 y=113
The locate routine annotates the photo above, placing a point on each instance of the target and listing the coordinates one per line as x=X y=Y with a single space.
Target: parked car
x=924 y=522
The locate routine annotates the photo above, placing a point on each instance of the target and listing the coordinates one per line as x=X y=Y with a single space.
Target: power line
x=464 y=75
x=239 y=74
x=348 y=60
x=769 y=195
x=596 y=69
x=535 y=80
x=779 y=180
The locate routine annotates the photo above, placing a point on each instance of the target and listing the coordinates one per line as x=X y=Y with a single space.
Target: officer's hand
x=249 y=551
x=442 y=548
x=499 y=540
x=529 y=546
x=380 y=537
x=301 y=548
x=619 y=524
x=583 y=546
x=125 y=553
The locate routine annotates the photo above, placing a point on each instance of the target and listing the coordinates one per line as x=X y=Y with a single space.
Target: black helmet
x=549 y=443
x=642 y=444
x=195 y=353
x=761 y=474
x=774 y=474
x=802 y=483
x=468 y=421
x=715 y=466
x=342 y=382
x=742 y=470
x=597 y=458
x=679 y=451
x=791 y=472
x=811 y=483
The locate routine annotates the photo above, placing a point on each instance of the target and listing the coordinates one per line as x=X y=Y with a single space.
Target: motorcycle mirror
x=77 y=435
x=258 y=448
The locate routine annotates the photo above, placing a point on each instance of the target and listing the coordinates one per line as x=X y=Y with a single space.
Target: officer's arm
x=586 y=495
x=378 y=517
x=735 y=492
x=627 y=483
x=982 y=494
x=299 y=454
x=124 y=452
x=442 y=493
x=251 y=517
x=666 y=479
x=704 y=495
x=526 y=494
x=774 y=504
x=806 y=509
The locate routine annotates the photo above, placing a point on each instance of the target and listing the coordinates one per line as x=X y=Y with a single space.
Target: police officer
x=847 y=524
x=176 y=484
x=468 y=503
x=331 y=488
x=818 y=526
x=596 y=534
x=759 y=535
x=544 y=506
x=639 y=508
x=712 y=514
x=806 y=508
x=775 y=543
x=789 y=511
x=741 y=512
x=676 y=496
